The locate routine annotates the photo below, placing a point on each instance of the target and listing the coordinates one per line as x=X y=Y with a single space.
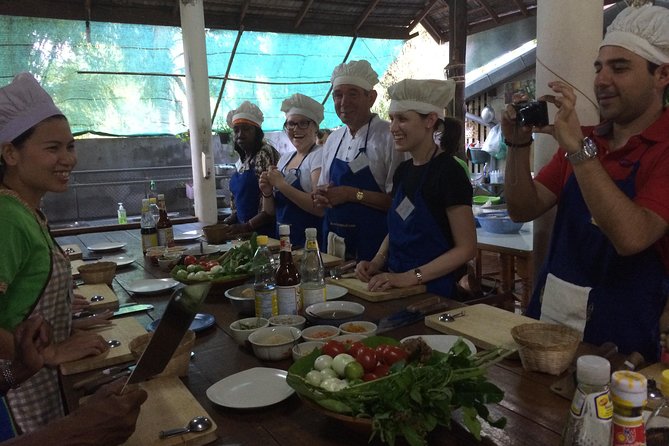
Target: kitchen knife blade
x=178 y=315
x=413 y=313
x=123 y=310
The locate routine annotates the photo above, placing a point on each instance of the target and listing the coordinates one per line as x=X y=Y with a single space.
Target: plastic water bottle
x=591 y=411
x=264 y=285
x=312 y=271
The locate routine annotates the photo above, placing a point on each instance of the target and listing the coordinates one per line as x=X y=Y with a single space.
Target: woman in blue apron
x=431 y=231
x=287 y=189
x=585 y=284
x=255 y=156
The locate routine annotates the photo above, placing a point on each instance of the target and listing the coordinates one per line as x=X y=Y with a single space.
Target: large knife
x=122 y=310
x=413 y=313
x=179 y=313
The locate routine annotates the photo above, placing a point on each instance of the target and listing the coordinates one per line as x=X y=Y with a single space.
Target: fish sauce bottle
x=591 y=411
x=164 y=224
x=657 y=426
x=287 y=276
x=148 y=229
x=628 y=391
x=312 y=271
x=264 y=285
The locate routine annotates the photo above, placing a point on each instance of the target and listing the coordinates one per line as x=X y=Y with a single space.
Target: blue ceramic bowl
x=498 y=223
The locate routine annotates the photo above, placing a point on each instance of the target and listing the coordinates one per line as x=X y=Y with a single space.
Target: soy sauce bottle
x=287 y=277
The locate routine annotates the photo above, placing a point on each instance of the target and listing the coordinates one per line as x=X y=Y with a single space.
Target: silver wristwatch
x=587 y=152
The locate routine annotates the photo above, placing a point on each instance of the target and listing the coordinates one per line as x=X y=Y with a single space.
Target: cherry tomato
x=333 y=348
x=189 y=260
x=211 y=264
x=355 y=348
x=371 y=376
x=203 y=263
x=394 y=354
x=381 y=370
x=367 y=358
x=381 y=351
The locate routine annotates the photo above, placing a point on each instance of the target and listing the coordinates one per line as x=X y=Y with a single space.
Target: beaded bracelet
x=8 y=375
x=518 y=146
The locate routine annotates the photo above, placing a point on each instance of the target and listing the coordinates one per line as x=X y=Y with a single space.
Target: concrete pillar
x=568 y=36
x=199 y=112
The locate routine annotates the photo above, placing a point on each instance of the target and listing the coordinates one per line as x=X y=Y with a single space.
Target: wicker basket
x=98 y=272
x=178 y=365
x=547 y=348
x=217 y=233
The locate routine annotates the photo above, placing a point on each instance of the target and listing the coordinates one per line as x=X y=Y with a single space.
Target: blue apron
x=362 y=227
x=288 y=213
x=628 y=292
x=418 y=239
x=244 y=187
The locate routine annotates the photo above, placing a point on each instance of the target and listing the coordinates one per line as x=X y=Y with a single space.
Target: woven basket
x=178 y=365
x=98 y=272
x=547 y=348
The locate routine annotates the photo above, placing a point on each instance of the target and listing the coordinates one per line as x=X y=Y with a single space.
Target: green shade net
x=122 y=79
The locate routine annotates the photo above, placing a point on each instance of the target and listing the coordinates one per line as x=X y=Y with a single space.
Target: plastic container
x=264 y=285
x=629 y=394
x=498 y=223
x=312 y=271
x=591 y=411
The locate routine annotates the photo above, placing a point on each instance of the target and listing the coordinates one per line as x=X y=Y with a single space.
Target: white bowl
x=334 y=312
x=305 y=348
x=242 y=298
x=291 y=320
x=348 y=339
x=364 y=328
x=320 y=332
x=241 y=334
x=274 y=343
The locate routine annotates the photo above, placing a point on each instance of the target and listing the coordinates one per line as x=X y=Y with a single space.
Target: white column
x=199 y=112
x=568 y=35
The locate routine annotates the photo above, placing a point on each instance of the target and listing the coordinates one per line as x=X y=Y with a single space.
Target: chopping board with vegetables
x=123 y=330
x=106 y=300
x=359 y=288
x=486 y=326
x=169 y=405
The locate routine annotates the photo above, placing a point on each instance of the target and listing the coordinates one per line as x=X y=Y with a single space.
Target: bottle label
x=578 y=403
x=289 y=299
x=313 y=295
x=166 y=237
x=312 y=244
x=603 y=406
x=628 y=431
x=266 y=303
x=149 y=241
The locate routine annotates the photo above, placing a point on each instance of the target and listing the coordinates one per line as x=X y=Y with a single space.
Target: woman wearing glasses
x=286 y=188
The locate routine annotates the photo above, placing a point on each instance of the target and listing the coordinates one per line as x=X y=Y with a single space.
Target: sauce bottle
x=312 y=272
x=164 y=224
x=264 y=285
x=148 y=227
x=628 y=391
x=287 y=277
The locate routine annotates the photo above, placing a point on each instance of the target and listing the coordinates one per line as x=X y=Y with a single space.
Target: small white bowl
x=364 y=328
x=320 y=333
x=242 y=298
x=291 y=320
x=274 y=343
x=305 y=348
x=348 y=339
x=334 y=312
x=239 y=331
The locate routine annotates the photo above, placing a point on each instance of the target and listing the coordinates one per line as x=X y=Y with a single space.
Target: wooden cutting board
x=486 y=326
x=359 y=288
x=169 y=404
x=328 y=260
x=110 y=300
x=74 y=266
x=74 y=252
x=125 y=330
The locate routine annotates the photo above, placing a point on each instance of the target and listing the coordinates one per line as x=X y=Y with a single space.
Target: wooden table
x=534 y=414
x=515 y=256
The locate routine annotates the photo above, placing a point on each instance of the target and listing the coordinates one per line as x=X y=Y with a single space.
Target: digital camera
x=532 y=113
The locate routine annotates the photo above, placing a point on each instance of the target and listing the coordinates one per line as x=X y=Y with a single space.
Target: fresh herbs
x=416 y=397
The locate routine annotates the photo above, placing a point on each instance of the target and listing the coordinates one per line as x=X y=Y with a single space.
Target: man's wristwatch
x=587 y=152
x=360 y=195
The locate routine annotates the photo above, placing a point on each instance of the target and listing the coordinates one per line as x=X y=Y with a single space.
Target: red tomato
x=381 y=351
x=355 y=348
x=333 y=348
x=394 y=354
x=371 y=376
x=189 y=260
x=203 y=263
x=211 y=264
x=381 y=370
x=367 y=358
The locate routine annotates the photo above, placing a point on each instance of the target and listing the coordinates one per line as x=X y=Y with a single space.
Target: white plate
x=149 y=286
x=206 y=249
x=252 y=388
x=335 y=291
x=119 y=260
x=187 y=236
x=442 y=343
x=106 y=246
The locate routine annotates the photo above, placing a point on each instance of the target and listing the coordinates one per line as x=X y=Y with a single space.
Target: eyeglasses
x=290 y=125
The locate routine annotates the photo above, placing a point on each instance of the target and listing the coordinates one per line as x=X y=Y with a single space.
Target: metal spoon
x=197 y=424
x=448 y=317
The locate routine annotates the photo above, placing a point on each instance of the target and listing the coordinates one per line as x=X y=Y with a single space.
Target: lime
x=353 y=370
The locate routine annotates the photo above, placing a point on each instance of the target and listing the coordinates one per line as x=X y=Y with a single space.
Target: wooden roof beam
x=521 y=7
x=365 y=14
x=489 y=10
x=421 y=15
x=303 y=13
x=432 y=30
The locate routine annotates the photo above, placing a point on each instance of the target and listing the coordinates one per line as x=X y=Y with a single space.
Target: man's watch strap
x=588 y=151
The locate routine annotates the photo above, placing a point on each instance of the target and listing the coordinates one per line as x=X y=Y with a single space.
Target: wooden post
x=457 y=49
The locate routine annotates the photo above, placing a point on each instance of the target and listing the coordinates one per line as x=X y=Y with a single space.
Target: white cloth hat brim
x=304 y=112
x=399 y=106
x=352 y=80
x=637 y=45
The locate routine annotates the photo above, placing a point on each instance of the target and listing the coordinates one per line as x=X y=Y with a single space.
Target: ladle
x=197 y=424
x=448 y=317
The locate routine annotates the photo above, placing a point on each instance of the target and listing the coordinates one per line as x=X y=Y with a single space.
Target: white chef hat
x=355 y=72
x=23 y=104
x=299 y=104
x=246 y=113
x=421 y=95
x=644 y=30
